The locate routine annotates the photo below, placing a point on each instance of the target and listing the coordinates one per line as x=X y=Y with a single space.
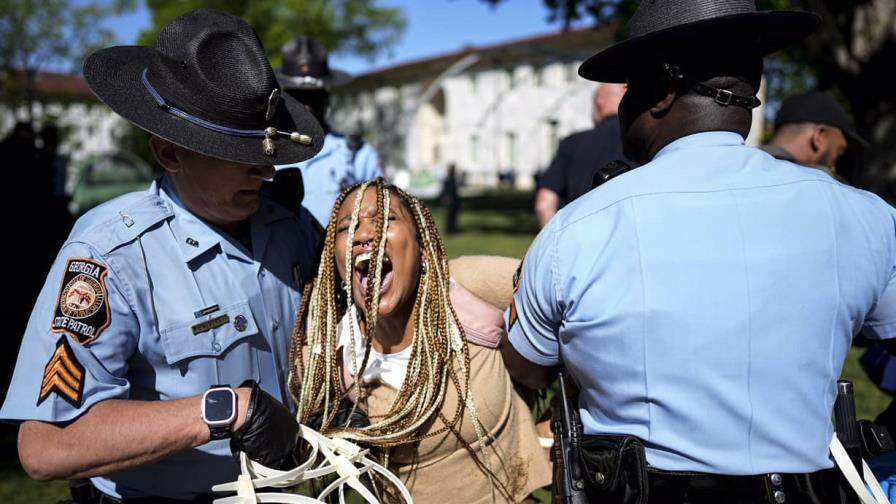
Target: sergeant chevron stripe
x=63 y=375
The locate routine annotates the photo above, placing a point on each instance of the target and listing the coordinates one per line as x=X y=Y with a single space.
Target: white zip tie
x=340 y=456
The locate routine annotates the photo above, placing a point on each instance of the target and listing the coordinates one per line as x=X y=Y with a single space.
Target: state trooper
x=704 y=303
x=163 y=327
x=344 y=160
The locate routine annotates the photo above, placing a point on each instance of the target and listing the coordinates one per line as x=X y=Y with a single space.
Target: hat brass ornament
x=205 y=84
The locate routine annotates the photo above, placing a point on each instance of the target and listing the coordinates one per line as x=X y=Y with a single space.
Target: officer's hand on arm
x=268 y=432
x=547 y=202
x=524 y=371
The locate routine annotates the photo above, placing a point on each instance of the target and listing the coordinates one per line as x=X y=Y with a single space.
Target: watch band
x=219 y=432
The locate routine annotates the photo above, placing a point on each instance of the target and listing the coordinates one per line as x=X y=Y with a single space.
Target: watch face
x=219 y=406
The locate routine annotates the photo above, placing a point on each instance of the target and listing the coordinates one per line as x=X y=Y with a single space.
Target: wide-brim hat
x=306 y=66
x=698 y=29
x=206 y=85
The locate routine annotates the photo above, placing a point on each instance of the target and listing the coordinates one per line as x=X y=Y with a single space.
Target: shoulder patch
x=82 y=309
x=63 y=375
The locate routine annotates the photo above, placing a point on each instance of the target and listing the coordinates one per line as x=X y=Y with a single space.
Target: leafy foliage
x=356 y=26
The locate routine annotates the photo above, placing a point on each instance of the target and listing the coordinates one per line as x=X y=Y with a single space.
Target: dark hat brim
x=759 y=33
x=335 y=78
x=114 y=76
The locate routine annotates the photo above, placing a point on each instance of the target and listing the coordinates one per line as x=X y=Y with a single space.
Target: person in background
x=581 y=154
x=450 y=199
x=306 y=76
x=814 y=130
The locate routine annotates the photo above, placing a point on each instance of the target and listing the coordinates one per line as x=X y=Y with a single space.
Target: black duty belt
x=775 y=488
x=613 y=469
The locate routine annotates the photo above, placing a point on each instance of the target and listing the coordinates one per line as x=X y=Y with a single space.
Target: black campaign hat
x=306 y=66
x=206 y=84
x=817 y=108
x=710 y=27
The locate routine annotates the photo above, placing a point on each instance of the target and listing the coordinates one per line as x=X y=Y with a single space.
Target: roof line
x=541 y=37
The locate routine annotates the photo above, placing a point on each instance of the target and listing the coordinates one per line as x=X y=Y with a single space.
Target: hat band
x=307 y=81
x=267 y=134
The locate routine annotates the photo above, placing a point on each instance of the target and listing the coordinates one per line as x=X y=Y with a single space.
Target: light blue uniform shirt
x=705 y=302
x=332 y=170
x=158 y=273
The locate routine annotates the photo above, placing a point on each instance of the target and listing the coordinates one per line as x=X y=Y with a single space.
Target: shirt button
x=262 y=274
x=276 y=324
x=216 y=346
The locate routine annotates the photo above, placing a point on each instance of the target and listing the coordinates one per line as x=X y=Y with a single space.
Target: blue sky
x=434 y=27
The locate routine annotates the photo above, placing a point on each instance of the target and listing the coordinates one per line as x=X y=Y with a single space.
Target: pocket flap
x=209 y=336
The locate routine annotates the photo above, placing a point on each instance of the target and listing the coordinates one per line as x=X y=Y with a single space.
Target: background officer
x=343 y=161
x=160 y=296
x=580 y=155
x=812 y=129
x=705 y=302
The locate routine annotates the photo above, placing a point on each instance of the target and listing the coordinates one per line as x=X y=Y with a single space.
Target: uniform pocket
x=209 y=336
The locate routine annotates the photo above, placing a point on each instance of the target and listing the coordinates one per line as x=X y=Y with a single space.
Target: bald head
x=606 y=101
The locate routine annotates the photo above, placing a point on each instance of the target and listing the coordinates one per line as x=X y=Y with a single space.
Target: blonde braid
x=439 y=356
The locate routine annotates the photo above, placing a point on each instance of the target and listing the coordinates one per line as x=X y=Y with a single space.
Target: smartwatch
x=219 y=410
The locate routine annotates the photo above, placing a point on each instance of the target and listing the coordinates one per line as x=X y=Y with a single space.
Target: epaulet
x=128 y=223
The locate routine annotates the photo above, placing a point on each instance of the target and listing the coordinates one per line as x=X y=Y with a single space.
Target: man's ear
x=818 y=141
x=166 y=153
x=667 y=95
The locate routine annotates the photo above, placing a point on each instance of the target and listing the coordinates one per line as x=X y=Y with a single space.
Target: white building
x=89 y=126
x=486 y=109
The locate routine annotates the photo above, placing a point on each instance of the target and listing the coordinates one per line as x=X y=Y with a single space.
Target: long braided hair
x=439 y=359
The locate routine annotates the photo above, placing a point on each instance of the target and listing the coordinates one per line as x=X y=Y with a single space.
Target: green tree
x=40 y=34
x=351 y=26
x=849 y=56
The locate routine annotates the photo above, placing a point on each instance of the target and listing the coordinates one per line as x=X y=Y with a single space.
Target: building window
x=474 y=150
x=510 y=154
x=572 y=71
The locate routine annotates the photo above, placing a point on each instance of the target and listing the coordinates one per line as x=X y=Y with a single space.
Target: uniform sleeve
x=534 y=316
x=554 y=178
x=367 y=164
x=79 y=337
x=881 y=322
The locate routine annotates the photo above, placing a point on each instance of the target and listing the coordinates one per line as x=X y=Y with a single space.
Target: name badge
x=211 y=324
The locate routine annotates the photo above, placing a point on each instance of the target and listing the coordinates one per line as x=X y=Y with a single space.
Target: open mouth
x=363 y=272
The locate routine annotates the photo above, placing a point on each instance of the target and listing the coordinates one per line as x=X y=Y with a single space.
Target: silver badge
x=273 y=101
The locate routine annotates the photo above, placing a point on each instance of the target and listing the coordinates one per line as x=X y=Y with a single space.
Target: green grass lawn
x=500 y=223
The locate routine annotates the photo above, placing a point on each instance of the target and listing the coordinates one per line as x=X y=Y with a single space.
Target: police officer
x=813 y=129
x=163 y=327
x=705 y=302
x=344 y=160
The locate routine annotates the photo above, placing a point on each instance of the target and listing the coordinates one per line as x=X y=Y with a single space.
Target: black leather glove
x=270 y=432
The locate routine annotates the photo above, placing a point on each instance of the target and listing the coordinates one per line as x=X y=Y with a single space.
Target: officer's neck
x=687 y=118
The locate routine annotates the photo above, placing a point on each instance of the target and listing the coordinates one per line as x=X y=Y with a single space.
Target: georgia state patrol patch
x=64 y=375
x=82 y=310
